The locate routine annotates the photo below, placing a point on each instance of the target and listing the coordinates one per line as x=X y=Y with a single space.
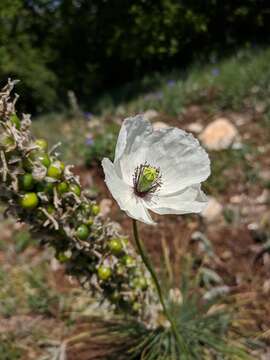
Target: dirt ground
x=238 y=235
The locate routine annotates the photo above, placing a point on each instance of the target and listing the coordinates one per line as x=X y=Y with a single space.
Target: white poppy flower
x=158 y=170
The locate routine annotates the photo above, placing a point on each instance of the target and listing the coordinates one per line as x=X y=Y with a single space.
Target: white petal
x=124 y=195
x=138 y=211
x=183 y=162
x=132 y=132
x=189 y=200
x=137 y=156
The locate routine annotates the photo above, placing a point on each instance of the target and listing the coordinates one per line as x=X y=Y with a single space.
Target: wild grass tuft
x=8 y=348
x=206 y=328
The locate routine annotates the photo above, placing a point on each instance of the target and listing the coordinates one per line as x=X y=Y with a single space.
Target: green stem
x=150 y=267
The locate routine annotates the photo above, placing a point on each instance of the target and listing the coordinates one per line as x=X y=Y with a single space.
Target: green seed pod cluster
x=41 y=191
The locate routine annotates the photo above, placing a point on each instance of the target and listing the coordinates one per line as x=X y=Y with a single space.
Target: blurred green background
x=94 y=46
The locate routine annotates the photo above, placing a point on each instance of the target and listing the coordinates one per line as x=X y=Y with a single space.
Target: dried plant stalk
x=42 y=192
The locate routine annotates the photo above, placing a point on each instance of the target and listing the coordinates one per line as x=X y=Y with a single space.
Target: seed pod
x=115 y=245
x=75 y=189
x=55 y=170
x=63 y=187
x=45 y=187
x=139 y=283
x=104 y=273
x=42 y=144
x=82 y=232
x=95 y=209
x=136 y=306
x=29 y=201
x=43 y=158
x=128 y=261
x=26 y=182
x=50 y=209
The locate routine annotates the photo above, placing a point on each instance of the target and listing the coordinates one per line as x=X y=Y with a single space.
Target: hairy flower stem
x=147 y=262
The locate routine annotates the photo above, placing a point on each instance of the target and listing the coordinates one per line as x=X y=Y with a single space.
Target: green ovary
x=147 y=178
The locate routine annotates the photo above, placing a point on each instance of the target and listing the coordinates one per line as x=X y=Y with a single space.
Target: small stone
x=260 y=107
x=195 y=127
x=226 y=255
x=263 y=198
x=262 y=149
x=105 y=207
x=266 y=287
x=236 y=199
x=150 y=114
x=159 y=125
x=213 y=210
x=253 y=227
x=219 y=134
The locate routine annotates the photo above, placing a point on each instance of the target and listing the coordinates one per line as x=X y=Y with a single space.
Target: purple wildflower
x=215 y=71
x=88 y=115
x=89 y=141
x=171 y=83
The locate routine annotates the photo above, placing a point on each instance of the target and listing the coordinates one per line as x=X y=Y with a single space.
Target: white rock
x=213 y=210
x=253 y=226
x=150 y=114
x=262 y=149
x=266 y=286
x=237 y=199
x=260 y=107
x=219 y=134
x=195 y=127
x=263 y=198
x=159 y=125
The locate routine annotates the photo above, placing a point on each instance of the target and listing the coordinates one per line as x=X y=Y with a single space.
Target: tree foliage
x=90 y=45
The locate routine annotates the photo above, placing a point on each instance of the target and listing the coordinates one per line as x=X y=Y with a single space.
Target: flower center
x=146 y=179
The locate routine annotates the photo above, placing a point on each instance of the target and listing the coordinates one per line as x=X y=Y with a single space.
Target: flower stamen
x=146 y=179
